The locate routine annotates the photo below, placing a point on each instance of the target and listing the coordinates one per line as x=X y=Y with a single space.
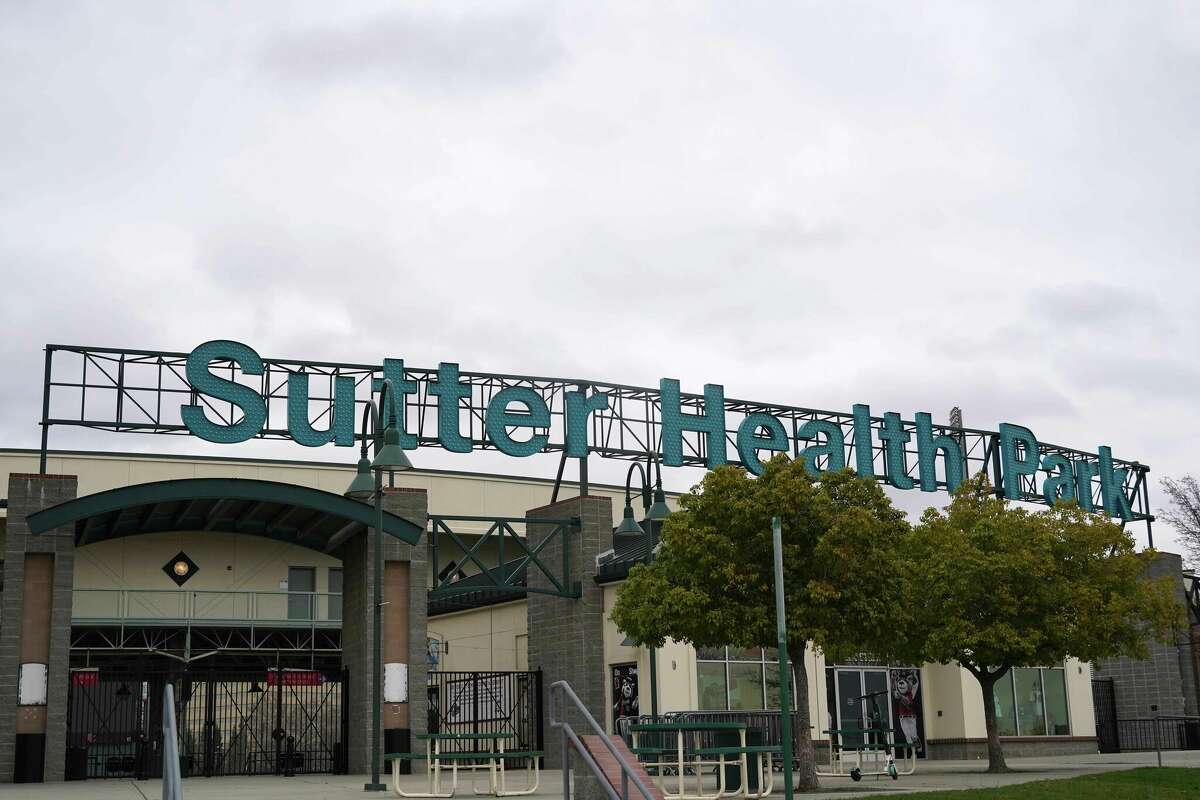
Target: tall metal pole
x=654 y=684
x=785 y=671
x=377 y=639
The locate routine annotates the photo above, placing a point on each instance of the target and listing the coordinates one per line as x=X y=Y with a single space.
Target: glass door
x=849 y=710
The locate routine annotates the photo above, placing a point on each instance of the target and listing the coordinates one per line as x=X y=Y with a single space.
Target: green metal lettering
x=1061 y=483
x=1112 y=483
x=928 y=446
x=834 y=448
x=894 y=437
x=579 y=406
x=499 y=419
x=341 y=426
x=393 y=370
x=674 y=422
x=862 y=440
x=449 y=391
x=1013 y=464
x=254 y=409
x=749 y=442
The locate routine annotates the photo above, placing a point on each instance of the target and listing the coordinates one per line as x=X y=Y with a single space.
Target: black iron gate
x=488 y=702
x=257 y=722
x=1105 y=705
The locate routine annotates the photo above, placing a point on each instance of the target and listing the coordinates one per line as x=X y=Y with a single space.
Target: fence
x=488 y=702
x=1158 y=733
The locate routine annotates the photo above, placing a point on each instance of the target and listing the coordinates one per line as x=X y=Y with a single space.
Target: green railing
x=206 y=606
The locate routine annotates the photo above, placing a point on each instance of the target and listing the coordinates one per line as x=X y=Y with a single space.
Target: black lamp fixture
x=180 y=568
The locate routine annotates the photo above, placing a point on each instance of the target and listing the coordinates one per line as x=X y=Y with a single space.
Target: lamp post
x=389 y=456
x=656 y=512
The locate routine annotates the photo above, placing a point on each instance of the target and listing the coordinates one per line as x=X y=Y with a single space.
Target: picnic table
x=475 y=751
x=680 y=756
x=871 y=749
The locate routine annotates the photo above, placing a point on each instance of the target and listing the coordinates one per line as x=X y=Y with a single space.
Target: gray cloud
x=439 y=51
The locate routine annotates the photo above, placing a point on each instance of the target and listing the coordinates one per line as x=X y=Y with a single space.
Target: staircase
x=612 y=768
x=607 y=757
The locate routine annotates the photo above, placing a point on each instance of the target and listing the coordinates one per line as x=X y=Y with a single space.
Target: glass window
x=1006 y=715
x=710 y=653
x=1031 y=707
x=1055 y=687
x=710 y=685
x=745 y=686
x=335 y=593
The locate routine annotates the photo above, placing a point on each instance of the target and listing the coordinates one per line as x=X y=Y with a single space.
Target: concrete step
x=612 y=770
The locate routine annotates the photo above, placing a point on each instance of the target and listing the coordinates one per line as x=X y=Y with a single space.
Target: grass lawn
x=1147 y=783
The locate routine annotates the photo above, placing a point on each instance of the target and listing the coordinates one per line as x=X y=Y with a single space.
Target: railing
x=206 y=606
x=1158 y=733
x=563 y=699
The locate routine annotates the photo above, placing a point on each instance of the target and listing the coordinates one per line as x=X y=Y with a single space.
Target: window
x=1032 y=702
x=335 y=593
x=737 y=679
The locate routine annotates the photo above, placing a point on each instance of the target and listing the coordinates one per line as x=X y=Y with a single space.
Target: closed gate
x=488 y=702
x=230 y=722
x=1105 y=705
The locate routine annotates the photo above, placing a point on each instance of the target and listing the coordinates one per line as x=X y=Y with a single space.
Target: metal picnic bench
x=490 y=756
x=680 y=756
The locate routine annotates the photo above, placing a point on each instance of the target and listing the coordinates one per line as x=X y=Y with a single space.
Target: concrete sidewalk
x=930 y=775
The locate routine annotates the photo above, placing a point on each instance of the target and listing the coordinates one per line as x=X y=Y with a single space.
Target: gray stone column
x=28 y=493
x=357 y=631
x=1163 y=683
x=566 y=635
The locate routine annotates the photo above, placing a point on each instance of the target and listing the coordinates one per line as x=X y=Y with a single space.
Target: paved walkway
x=929 y=775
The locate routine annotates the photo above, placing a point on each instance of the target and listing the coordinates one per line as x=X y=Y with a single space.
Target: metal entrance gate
x=259 y=722
x=1105 y=705
x=487 y=702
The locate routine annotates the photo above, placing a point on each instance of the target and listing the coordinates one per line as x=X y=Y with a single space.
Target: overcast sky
x=911 y=205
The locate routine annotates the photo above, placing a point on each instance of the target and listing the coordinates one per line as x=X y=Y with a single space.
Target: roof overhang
x=287 y=512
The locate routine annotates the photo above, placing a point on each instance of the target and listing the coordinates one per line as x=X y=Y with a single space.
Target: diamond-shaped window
x=180 y=568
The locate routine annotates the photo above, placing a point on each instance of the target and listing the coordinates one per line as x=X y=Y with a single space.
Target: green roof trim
x=269 y=495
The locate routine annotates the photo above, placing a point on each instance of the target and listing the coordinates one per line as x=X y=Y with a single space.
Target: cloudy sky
x=912 y=205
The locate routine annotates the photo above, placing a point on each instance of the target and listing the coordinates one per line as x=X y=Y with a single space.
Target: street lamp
x=390 y=457
x=656 y=512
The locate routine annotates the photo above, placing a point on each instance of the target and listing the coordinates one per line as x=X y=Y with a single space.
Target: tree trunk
x=987 y=682
x=802 y=745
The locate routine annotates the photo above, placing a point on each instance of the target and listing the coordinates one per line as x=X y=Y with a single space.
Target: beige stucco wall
x=491 y=638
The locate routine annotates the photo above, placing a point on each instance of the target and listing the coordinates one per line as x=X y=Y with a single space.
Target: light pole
x=656 y=512
x=389 y=456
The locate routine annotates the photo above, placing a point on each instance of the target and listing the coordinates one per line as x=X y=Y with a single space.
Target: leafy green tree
x=993 y=586
x=712 y=582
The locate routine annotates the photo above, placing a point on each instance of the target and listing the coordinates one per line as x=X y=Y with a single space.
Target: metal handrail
x=560 y=693
x=188 y=605
x=172 y=784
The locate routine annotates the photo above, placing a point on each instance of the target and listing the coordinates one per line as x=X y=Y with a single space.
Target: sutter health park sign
x=524 y=415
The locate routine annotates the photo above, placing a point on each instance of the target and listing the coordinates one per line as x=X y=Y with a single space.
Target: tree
x=1184 y=514
x=994 y=587
x=712 y=583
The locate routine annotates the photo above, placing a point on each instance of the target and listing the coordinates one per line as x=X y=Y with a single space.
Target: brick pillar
x=1160 y=683
x=35 y=622
x=566 y=635
x=405 y=594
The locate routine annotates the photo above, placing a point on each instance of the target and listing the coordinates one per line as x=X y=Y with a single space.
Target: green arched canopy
x=301 y=515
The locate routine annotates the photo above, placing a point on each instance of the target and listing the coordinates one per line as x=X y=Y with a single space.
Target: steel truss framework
x=187 y=643
x=508 y=574
x=142 y=391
